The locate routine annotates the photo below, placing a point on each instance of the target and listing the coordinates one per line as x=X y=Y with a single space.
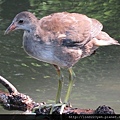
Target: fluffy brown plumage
x=56 y=38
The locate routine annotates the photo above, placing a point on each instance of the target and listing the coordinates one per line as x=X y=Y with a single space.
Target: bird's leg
x=60 y=83
x=71 y=82
x=58 y=95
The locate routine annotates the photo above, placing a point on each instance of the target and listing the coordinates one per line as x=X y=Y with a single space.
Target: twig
x=8 y=85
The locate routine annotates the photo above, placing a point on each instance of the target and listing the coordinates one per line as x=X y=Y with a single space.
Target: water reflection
x=97 y=80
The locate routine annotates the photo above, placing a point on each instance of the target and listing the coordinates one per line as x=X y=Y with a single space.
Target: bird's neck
x=32 y=27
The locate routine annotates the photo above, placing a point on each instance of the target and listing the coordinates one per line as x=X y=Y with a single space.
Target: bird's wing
x=70 y=29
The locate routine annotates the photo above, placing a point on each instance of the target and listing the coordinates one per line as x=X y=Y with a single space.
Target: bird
x=60 y=39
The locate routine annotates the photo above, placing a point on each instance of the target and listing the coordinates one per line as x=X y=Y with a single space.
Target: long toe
x=59 y=108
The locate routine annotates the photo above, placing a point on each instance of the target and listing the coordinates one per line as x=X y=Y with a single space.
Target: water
x=98 y=78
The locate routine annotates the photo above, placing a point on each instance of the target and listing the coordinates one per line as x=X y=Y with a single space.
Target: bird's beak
x=12 y=27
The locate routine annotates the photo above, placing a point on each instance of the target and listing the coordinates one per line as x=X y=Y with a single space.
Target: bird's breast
x=51 y=53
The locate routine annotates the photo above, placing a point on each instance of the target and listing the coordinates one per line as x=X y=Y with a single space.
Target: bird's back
x=73 y=27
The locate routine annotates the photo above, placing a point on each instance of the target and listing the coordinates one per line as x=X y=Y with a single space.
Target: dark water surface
x=98 y=76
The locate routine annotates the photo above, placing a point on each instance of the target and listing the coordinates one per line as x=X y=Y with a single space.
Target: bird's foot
x=59 y=107
x=51 y=108
x=42 y=109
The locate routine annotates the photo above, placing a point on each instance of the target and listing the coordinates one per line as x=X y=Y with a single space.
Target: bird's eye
x=20 y=21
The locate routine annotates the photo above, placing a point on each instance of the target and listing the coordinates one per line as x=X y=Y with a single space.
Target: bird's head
x=24 y=20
